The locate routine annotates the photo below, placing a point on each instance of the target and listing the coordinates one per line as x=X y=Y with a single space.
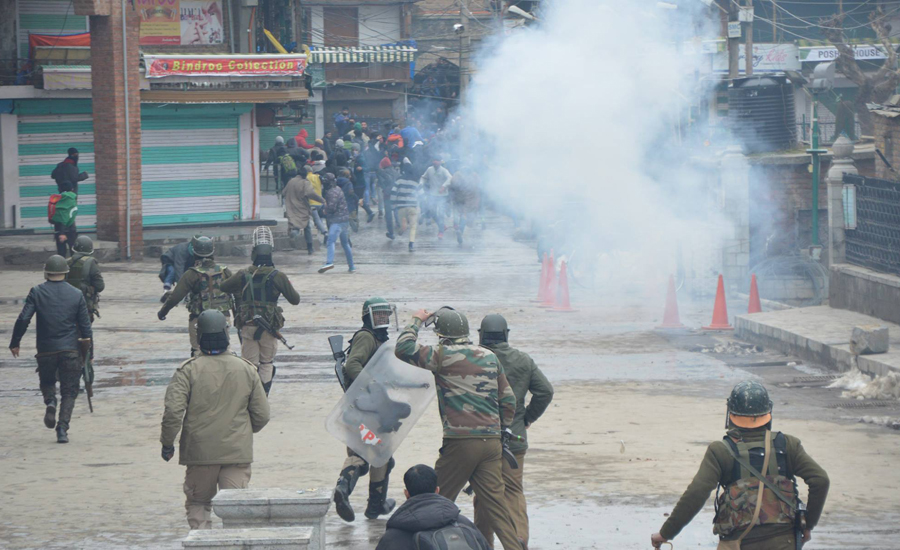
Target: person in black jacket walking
x=66 y=173
x=63 y=323
x=428 y=517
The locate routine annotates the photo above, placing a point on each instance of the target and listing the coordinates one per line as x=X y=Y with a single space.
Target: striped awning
x=364 y=54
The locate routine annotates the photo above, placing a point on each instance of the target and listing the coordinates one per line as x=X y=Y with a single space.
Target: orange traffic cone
x=542 y=285
x=720 y=310
x=755 y=306
x=562 y=294
x=550 y=284
x=670 y=316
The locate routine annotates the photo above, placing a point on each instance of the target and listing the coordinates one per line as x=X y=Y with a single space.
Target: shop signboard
x=181 y=22
x=159 y=66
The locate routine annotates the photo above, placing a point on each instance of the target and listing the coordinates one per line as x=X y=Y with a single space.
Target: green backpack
x=287 y=164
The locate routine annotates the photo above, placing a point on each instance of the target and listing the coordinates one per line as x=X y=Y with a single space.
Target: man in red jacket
x=301 y=139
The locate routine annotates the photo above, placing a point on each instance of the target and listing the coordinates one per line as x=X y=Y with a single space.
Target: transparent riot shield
x=381 y=406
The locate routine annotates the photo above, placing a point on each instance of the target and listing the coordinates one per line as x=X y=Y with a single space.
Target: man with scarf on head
x=759 y=507
x=217 y=402
x=66 y=173
x=376 y=318
x=259 y=287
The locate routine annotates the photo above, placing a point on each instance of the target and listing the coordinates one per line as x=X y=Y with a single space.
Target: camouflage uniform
x=776 y=530
x=476 y=405
x=202 y=282
x=84 y=274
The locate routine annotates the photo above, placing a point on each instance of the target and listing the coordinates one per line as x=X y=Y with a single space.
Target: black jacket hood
x=424 y=513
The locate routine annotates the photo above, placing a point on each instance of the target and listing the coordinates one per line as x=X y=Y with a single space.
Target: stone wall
x=865 y=291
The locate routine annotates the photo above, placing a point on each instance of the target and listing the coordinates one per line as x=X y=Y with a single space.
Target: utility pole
x=748 y=39
x=465 y=42
x=734 y=42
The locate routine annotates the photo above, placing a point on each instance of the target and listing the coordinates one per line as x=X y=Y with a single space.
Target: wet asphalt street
x=633 y=412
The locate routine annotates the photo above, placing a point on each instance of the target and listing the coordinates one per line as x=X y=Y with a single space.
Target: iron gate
x=875 y=243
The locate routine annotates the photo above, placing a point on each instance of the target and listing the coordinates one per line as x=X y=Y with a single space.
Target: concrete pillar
x=736 y=208
x=840 y=165
x=9 y=170
x=112 y=151
x=280 y=538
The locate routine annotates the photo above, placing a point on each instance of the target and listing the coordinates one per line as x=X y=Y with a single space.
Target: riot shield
x=381 y=406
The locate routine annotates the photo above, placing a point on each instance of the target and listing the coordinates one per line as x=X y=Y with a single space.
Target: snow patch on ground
x=862 y=386
x=893 y=423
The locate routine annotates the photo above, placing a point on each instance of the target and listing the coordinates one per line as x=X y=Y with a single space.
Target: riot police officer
x=203 y=283
x=84 y=274
x=376 y=318
x=217 y=402
x=476 y=404
x=259 y=287
x=63 y=324
x=524 y=376
x=759 y=507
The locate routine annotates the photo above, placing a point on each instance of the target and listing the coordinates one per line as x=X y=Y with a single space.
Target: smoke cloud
x=582 y=120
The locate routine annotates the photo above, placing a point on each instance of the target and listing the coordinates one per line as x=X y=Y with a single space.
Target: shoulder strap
x=769 y=485
x=759 y=493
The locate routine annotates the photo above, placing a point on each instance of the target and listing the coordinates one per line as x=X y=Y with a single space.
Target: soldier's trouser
x=259 y=352
x=65 y=367
x=376 y=475
x=515 y=502
x=479 y=462
x=201 y=483
x=781 y=542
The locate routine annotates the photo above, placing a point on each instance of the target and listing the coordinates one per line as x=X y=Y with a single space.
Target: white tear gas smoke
x=582 y=122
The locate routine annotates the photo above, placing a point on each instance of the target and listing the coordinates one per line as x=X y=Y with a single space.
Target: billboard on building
x=181 y=22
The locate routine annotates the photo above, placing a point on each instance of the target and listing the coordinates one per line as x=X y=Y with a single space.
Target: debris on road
x=862 y=386
x=893 y=423
x=729 y=348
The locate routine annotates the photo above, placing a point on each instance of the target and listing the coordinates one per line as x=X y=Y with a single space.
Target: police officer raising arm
x=476 y=404
x=748 y=518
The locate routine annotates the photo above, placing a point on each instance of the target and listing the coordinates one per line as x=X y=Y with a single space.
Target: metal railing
x=875 y=243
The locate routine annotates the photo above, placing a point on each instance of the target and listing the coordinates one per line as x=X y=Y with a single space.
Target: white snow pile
x=862 y=386
x=887 y=421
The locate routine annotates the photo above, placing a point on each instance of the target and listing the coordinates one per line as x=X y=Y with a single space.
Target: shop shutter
x=43 y=142
x=190 y=169
x=46 y=17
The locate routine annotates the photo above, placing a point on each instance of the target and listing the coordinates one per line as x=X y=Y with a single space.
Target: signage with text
x=225 y=65
x=863 y=52
x=181 y=22
x=766 y=58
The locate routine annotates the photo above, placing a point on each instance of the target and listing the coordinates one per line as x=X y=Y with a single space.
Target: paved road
x=633 y=412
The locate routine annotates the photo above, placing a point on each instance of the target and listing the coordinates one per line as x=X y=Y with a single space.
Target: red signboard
x=224 y=65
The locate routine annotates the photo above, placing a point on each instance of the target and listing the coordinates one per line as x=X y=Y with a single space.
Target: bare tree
x=873 y=87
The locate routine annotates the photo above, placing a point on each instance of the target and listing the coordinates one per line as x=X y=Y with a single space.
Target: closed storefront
x=46 y=130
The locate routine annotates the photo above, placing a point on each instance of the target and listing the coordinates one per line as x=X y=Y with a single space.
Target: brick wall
x=110 y=146
x=781 y=205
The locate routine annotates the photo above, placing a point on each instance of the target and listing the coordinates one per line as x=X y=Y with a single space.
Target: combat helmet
x=449 y=323
x=84 y=245
x=494 y=330
x=56 y=265
x=212 y=332
x=263 y=244
x=749 y=405
x=378 y=312
x=203 y=247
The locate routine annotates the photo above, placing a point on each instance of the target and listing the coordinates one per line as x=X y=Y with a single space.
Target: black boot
x=379 y=504
x=268 y=385
x=61 y=435
x=342 y=491
x=50 y=401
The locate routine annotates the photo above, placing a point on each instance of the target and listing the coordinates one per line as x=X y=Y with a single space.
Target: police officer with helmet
x=524 y=377
x=63 y=324
x=376 y=318
x=259 y=287
x=759 y=507
x=217 y=402
x=84 y=274
x=203 y=283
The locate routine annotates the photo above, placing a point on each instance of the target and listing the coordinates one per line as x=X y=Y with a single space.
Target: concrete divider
x=270 y=538
x=265 y=508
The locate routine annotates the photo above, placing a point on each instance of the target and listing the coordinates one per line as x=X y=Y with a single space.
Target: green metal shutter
x=267 y=134
x=190 y=167
x=43 y=141
x=46 y=17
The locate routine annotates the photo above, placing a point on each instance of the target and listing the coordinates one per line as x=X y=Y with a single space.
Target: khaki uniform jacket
x=218 y=403
x=524 y=376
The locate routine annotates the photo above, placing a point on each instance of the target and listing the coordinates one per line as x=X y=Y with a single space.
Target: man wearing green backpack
x=61 y=213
